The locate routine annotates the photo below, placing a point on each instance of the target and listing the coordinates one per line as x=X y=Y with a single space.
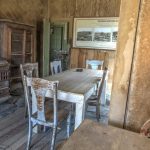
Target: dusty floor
x=13 y=134
x=15 y=102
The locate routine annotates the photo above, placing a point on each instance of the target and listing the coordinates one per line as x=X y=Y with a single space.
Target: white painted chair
x=30 y=70
x=44 y=114
x=145 y=129
x=55 y=67
x=98 y=64
x=95 y=100
x=94 y=64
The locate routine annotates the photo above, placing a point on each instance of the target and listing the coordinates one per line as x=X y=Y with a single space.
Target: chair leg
x=44 y=129
x=86 y=107
x=68 y=124
x=29 y=135
x=53 y=138
x=98 y=112
x=26 y=111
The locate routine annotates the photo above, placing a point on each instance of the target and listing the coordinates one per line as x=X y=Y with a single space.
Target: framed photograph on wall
x=96 y=33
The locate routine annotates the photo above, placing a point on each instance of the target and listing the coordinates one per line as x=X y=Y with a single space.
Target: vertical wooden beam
x=138 y=110
x=125 y=48
x=46 y=47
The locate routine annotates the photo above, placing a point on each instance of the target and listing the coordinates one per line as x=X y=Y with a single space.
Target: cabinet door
x=28 y=46
x=17 y=46
x=16 y=51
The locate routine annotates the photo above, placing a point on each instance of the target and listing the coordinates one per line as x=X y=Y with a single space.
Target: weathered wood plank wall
x=126 y=39
x=31 y=11
x=79 y=57
x=137 y=95
x=68 y=9
x=84 y=8
x=130 y=104
x=25 y=11
x=138 y=110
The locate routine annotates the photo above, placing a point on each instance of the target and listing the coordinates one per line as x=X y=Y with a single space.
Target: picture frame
x=95 y=33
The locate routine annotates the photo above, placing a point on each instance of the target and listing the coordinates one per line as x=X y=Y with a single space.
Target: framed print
x=97 y=33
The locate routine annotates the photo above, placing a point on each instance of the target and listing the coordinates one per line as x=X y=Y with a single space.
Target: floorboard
x=14 y=128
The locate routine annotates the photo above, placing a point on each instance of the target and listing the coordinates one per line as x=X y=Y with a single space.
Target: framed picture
x=97 y=33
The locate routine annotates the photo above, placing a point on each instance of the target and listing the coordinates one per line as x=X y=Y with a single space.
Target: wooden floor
x=13 y=133
x=14 y=127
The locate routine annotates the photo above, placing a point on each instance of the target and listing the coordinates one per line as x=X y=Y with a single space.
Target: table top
x=94 y=136
x=76 y=82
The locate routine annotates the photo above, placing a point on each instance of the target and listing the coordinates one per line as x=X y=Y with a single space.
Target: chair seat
x=92 y=101
x=92 y=97
x=63 y=110
x=44 y=109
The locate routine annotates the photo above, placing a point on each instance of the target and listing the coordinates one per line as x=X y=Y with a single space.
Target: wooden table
x=93 y=136
x=76 y=87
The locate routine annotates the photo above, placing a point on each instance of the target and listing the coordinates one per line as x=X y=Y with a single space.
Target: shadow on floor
x=14 y=127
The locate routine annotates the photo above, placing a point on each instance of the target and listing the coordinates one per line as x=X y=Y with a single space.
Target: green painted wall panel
x=46 y=47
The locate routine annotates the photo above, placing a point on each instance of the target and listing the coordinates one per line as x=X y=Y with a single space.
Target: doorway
x=59 y=47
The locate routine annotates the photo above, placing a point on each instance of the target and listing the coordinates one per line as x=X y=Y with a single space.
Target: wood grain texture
x=31 y=11
x=139 y=96
x=68 y=9
x=28 y=11
x=79 y=56
x=92 y=135
x=97 y=8
x=13 y=133
x=76 y=82
x=84 y=8
x=125 y=50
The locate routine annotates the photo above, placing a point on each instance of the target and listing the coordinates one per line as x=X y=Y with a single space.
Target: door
x=58 y=43
x=46 y=48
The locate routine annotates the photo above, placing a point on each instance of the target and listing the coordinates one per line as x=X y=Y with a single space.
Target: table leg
x=79 y=114
x=103 y=96
x=34 y=109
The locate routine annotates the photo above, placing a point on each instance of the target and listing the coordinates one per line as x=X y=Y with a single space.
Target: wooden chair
x=45 y=115
x=145 y=129
x=30 y=70
x=94 y=64
x=95 y=100
x=56 y=67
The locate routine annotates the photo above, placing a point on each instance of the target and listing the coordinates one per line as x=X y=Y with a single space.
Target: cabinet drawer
x=16 y=59
x=4 y=92
x=4 y=84
x=17 y=35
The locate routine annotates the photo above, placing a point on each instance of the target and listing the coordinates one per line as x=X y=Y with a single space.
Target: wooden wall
x=138 y=110
x=25 y=11
x=125 y=49
x=79 y=56
x=130 y=103
x=66 y=10
x=84 y=8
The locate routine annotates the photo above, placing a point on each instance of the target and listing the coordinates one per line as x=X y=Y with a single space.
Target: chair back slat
x=94 y=64
x=29 y=69
x=102 y=83
x=55 y=67
x=39 y=88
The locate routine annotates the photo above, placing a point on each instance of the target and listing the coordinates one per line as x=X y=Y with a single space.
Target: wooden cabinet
x=17 y=45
